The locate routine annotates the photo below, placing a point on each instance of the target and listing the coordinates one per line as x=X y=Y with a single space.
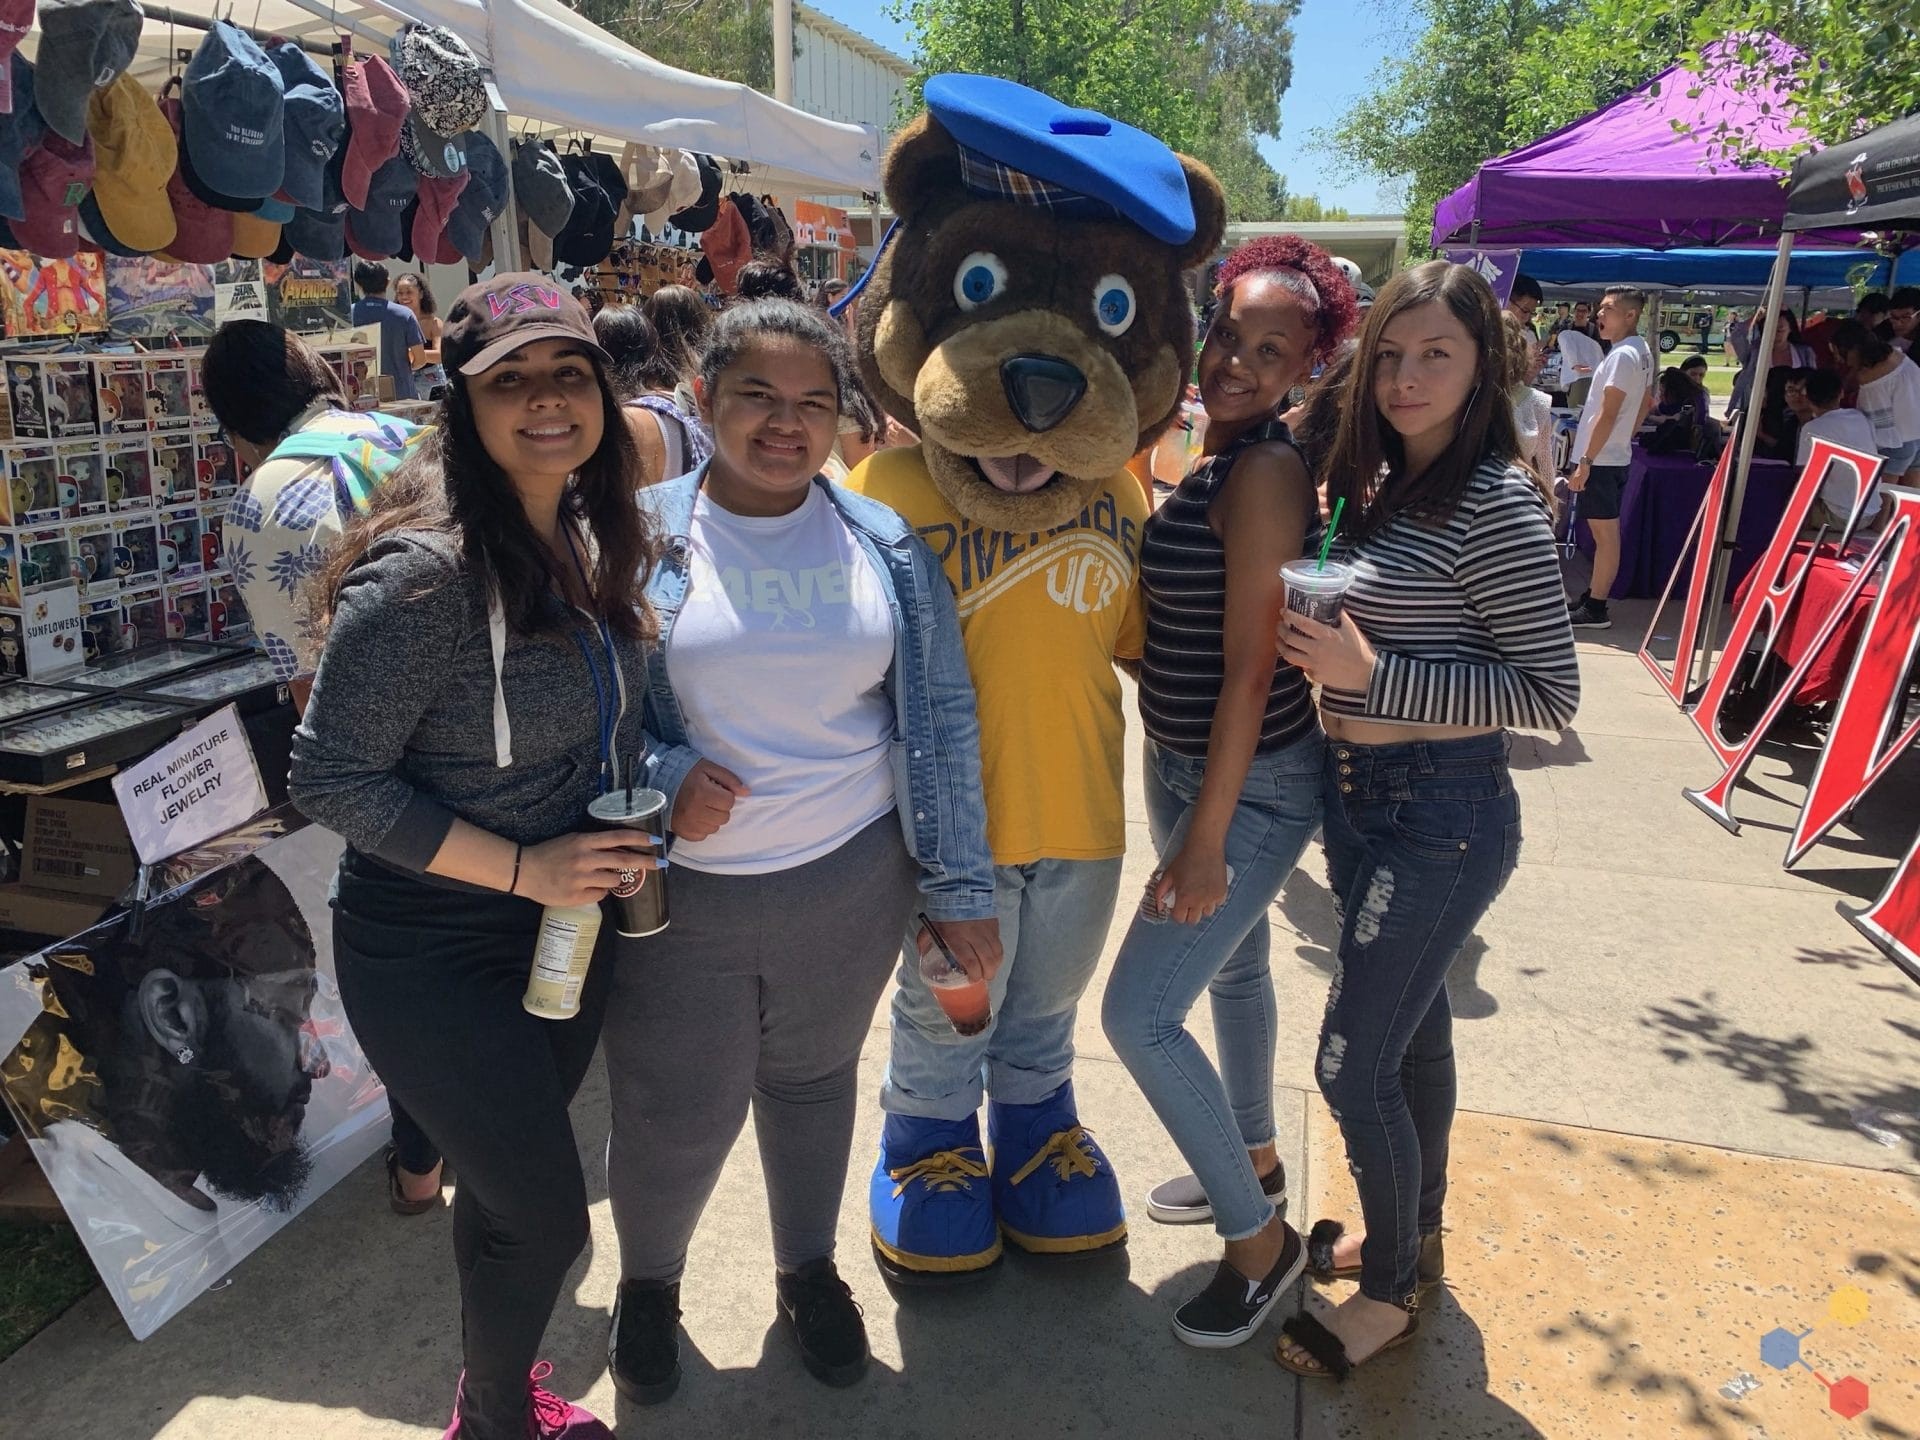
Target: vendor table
x=1827 y=579
x=1657 y=511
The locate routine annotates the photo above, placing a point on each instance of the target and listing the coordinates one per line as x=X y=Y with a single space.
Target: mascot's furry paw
x=1054 y=1188
x=930 y=1203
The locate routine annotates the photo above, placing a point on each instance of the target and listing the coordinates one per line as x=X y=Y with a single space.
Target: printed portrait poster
x=152 y=299
x=310 y=295
x=191 y=1088
x=52 y=297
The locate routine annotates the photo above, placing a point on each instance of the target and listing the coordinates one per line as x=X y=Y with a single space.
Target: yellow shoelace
x=1071 y=1153
x=942 y=1170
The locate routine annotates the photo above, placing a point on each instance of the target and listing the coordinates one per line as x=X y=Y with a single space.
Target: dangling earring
x=1467 y=409
x=184 y=1054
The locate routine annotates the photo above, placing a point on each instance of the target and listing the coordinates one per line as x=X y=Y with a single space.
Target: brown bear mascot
x=1029 y=322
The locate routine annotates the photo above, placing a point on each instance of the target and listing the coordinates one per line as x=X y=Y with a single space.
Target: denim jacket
x=935 y=750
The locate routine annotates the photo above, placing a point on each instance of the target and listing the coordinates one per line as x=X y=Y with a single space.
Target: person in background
x=1603 y=445
x=1790 y=352
x=1581 y=320
x=647 y=376
x=1872 y=313
x=681 y=318
x=412 y=291
x=1842 y=425
x=1680 y=420
x=1888 y=383
x=1315 y=421
x=767 y=280
x=1452 y=631
x=485 y=629
x=1903 y=318
x=1795 y=396
x=1233 y=758
x=1525 y=302
x=403 y=348
x=1694 y=367
x=800 y=856
x=264 y=385
x=829 y=293
x=1532 y=409
x=1738 y=339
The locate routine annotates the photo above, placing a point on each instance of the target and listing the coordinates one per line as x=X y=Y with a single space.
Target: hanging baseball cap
x=16 y=19
x=20 y=130
x=203 y=233
x=317 y=235
x=255 y=237
x=491 y=320
x=448 y=88
x=700 y=214
x=683 y=189
x=485 y=197
x=233 y=103
x=375 y=230
x=315 y=119
x=84 y=45
x=377 y=108
x=438 y=199
x=540 y=183
x=53 y=180
x=134 y=157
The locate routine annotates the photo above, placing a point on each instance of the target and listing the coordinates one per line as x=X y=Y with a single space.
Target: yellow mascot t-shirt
x=1044 y=616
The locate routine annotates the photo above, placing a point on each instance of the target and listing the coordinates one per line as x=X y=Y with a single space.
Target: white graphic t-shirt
x=1628 y=368
x=778 y=659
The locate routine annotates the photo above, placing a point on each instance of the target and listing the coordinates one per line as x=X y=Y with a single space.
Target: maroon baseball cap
x=377 y=109
x=438 y=199
x=202 y=234
x=54 y=179
x=491 y=320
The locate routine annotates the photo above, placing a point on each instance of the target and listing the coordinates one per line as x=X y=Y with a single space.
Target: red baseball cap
x=377 y=110
x=438 y=200
x=54 y=179
x=202 y=234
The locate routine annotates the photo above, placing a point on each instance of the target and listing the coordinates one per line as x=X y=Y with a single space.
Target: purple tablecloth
x=1657 y=510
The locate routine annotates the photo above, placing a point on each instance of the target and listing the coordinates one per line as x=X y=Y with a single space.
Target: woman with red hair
x=1233 y=758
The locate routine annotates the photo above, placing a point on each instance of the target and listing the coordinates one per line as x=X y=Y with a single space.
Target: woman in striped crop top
x=1233 y=759
x=1454 y=629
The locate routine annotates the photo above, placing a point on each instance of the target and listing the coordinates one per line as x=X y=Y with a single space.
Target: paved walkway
x=1665 y=1041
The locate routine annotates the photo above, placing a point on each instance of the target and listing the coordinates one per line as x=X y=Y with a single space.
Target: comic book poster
x=190 y=1085
x=52 y=297
x=310 y=295
x=151 y=299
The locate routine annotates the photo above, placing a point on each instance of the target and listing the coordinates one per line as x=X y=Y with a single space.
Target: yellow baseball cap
x=134 y=156
x=254 y=238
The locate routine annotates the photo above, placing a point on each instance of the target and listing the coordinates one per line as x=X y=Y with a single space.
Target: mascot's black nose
x=1042 y=389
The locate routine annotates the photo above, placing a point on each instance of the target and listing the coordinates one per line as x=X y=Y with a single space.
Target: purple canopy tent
x=1625 y=176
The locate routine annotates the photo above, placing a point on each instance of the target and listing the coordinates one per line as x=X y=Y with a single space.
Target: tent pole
x=783 y=51
x=1749 y=427
x=506 y=225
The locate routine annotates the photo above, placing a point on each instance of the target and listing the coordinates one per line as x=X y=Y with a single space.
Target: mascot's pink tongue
x=1015 y=474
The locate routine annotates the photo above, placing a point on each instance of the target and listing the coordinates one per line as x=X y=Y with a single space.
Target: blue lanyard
x=608 y=699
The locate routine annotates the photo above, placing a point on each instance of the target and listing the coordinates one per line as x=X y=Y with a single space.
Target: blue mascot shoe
x=1054 y=1189
x=931 y=1204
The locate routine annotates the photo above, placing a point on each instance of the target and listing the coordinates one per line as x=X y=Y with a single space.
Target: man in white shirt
x=1618 y=401
x=1842 y=425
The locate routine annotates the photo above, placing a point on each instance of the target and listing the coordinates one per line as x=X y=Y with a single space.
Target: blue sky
x=1337 y=44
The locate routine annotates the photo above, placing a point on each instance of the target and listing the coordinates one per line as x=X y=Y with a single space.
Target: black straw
x=630 y=760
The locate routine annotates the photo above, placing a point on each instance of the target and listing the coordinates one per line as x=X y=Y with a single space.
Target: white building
x=841 y=74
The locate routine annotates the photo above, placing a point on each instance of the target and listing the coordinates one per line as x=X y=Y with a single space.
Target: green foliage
x=1309 y=208
x=43 y=1270
x=726 y=39
x=1206 y=76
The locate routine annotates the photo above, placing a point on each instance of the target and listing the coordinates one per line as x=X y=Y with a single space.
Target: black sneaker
x=1181 y=1201
x=643 y=1346
x=826 y=1322
x=1230 y=1309
x=1581 y=603
x=1592 y=615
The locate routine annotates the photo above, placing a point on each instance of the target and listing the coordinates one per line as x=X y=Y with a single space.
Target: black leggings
x=432 y=981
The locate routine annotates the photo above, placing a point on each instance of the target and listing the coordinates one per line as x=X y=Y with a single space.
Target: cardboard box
x=219 y=469
x=143 y=618
x=71 y=398
x=48 y=912
x=136 y=550
x=83 y=477
x=130 y=472
x=33 y=490
x=187 y=617
x=92 y=541
x=27 y=399
x=169 y=397
x=173 y=470
x=76 y=846
x=120 y=382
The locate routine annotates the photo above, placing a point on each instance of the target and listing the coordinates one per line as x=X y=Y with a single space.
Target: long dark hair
x=427 y=305
x=740 y=326
x=681 y=319
x=1368 y=465
x=451 y=484
x=631 y=343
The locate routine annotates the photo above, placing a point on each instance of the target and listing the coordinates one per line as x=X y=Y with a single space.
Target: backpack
x=362 y=460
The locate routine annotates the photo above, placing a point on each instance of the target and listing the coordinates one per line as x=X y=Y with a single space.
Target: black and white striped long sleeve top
x=1467 y=617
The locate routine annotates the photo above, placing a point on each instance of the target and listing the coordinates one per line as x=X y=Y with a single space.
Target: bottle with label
x=561 y=954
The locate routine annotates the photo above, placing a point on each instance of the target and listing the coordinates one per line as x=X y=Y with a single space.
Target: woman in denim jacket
x=811 y=721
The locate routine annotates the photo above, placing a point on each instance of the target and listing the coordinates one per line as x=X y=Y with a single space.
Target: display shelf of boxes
x=114 y=489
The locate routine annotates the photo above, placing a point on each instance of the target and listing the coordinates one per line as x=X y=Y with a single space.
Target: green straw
x=1332 y=525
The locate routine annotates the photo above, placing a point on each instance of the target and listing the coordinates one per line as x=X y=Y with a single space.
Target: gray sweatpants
x=760 y=991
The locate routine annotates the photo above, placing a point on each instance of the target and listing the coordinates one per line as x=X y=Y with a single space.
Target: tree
x=1206 y=76
x=726 y=39
x=1308 y=208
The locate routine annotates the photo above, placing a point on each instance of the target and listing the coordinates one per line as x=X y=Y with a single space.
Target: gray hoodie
x=423 y=711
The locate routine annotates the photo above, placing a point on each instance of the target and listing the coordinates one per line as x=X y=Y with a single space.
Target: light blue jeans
x=1054 y=916
x=1215 y=1117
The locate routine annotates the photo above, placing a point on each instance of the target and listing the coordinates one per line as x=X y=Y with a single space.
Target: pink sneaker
x=557 y=1419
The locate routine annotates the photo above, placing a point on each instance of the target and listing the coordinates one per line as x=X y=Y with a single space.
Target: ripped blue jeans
x=1420 y=838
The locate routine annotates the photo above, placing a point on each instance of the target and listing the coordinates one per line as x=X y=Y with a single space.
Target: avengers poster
x=52 y=297
x=189 y=1084
x=310 y=295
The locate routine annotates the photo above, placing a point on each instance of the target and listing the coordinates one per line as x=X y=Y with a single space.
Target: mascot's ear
x=1209 y=214
x=923 y=162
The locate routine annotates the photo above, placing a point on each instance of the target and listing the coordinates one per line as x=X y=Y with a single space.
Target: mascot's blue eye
x=1113 y=304
x=980 y=278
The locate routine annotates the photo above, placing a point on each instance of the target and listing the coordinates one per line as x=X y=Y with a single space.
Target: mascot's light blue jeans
x=1054 y=916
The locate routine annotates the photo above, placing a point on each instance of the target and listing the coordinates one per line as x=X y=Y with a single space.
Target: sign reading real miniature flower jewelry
x=201 y=785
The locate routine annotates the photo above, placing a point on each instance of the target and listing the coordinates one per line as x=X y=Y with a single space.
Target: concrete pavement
x=1666 y=1043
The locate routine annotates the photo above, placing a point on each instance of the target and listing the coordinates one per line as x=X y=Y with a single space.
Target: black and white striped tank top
x=1183 y=575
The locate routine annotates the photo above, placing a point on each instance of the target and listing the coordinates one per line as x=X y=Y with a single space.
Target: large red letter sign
x=1713 y=509
x=1893 y=921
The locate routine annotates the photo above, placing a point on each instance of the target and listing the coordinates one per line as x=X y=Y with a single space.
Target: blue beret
x=1011 y=136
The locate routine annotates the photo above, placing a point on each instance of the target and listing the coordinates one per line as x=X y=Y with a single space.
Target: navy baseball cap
x=317 y=235
x=484 y=198
x=1017 y=144
x=379 y=231
x=84 y=46
x=235 y=129
x=20 y=130
x=315 y=118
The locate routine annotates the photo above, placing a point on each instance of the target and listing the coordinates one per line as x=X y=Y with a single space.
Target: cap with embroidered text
x=491 y=320
x=315 y=118
x=233 y=103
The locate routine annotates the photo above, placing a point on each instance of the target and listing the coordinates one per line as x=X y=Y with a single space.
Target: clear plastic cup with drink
x=964 y=1000
x=1317 y=590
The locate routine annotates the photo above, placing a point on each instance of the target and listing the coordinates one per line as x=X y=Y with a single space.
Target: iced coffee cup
x=1317 y=591
x=638 y=904
x=963 y=1000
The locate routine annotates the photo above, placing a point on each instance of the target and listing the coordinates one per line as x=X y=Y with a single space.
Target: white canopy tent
x=559 y=73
